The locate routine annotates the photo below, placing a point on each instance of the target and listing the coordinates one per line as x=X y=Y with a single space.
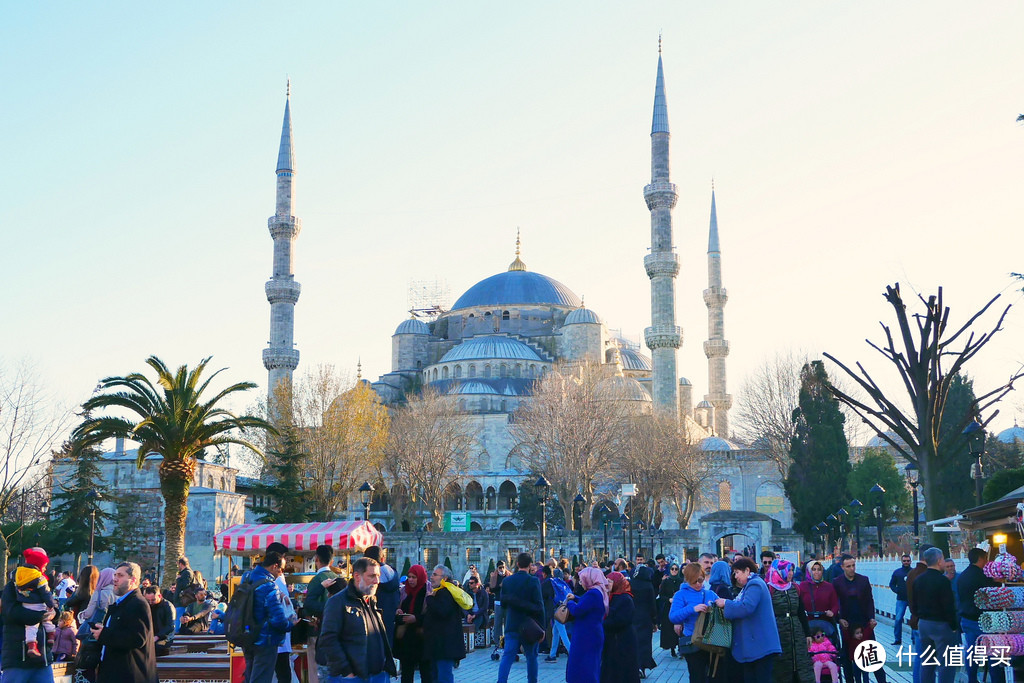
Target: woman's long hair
x=87 y=579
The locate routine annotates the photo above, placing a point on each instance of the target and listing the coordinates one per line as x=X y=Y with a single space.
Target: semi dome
x=490 y=347
x=474 y=389
x=582 y=316
x=1011 y=435
x=412 y=326
x=717 y=443
x=634 y=360
x=517 y=287
x=621 y=388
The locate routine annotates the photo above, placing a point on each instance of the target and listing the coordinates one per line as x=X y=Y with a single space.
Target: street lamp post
x=844 y=528
x=879 y=493
x=559 y=532
x=366 y=495
x=661 y=540
x=542 y=487
x=624 y=523
x=578 y=504
x=639 y=536
x=92 y=497
x=605 y=521
x=855 y=506
x=419 y=542
x=830 y=522
x=975 y=433
x=652 y=529
x=914 y=479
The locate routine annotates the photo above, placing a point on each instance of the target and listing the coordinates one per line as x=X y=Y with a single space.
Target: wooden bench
x=192 y=671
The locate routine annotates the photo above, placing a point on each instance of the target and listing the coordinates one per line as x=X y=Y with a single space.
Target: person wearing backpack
x=183 y=595
x=259 y=602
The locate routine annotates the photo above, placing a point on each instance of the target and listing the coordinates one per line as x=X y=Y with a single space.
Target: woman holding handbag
x=689 y=601
x=588 y=613
x=409 y=627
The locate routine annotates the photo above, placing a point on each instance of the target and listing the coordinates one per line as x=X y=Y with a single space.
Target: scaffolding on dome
x=428 y=299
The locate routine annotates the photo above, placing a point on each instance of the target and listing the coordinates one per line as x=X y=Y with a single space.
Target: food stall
x=301 y=539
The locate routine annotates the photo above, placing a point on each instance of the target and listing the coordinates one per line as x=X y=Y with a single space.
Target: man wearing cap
x=17 y=615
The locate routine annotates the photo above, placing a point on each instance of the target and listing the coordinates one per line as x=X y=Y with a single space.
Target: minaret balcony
x=661 y=263
x=716 y=348
x=659 y=194
x=282 y=291
x=715 y=296
x=284 y=227
x=663 y=337
x=280 y=358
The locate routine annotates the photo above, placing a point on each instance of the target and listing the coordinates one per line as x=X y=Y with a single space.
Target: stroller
x=820 y=621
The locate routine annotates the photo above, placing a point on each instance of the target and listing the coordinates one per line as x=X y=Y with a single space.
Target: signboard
x=629 y=490
x=456 y=521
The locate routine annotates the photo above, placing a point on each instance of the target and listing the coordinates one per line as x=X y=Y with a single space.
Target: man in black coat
x=163 y=619
x=388 y=589
x=442 y=627
x=126 y=634
x=521 y=601
x=13 y=661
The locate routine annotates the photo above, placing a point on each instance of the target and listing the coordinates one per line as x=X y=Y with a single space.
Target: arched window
x=533 y=370
x=458 y=371
x=419 y=365
x=435 y=373
x=444 y=372
x=503 y=370
x=487 y=314
x=472 y=370
x=471 y=315
x=504 y=315
x=487 y=371
x=724 y=495
x=518 y=371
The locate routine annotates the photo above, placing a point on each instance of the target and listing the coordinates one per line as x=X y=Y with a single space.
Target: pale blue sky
x=852 y=146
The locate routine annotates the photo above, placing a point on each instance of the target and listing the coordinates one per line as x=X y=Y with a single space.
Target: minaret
x=716 y=348
x=663 y=337
x=282 y=289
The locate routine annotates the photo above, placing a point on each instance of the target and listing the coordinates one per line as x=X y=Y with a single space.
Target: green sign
x=456 y=521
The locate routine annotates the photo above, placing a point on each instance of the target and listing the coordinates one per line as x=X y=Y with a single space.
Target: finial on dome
x=359 y=369
x=518 y=263
x=583 y=300
x=288 y=87
x=659 y=42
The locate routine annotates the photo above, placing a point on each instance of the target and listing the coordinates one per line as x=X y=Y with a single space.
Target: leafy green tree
x=1001 y=483
x=71 y=516
x=878 y=466
x=175 y=418
x=286 y=483
x=817 y=482
x=957 y=492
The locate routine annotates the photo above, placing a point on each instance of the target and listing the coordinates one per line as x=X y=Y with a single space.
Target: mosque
x=509 y=329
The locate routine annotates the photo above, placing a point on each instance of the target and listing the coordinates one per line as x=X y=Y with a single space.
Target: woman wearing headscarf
x=101 y=599
x=645 y=617
x=619 y=661
x=720 y=580
x=755 y=637
x=409 y=627
x=669 y=585
x=794 y=664
x=588 y=614
x=819 y=599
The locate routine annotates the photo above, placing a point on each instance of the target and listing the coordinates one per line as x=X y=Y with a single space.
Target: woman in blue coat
x=689 y=601
x=755 y=636
x=587 y=627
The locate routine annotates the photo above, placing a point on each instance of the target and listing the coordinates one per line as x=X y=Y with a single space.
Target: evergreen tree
x=954 y=477
x=71 y=516
x=406 y=566
x=528 y=510
x=285 y=485
x=1001 y=483
x=817 y=483
x=878 y=467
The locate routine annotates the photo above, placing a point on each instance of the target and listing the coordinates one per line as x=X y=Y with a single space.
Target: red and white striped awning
x=246 y=538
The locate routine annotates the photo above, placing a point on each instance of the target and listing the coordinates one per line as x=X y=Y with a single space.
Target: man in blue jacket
x=268 y=609
x=898 y=585
x=521 y=600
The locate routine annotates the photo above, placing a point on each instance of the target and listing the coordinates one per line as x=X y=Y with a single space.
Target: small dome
x=490 y=347
x=474 y=388
x=634 y=360
x=1011 y=435
x=582 y=316
x=717 y=443
x=683 y=382
x=704 y=404
x=412 y=326
x=622 y=388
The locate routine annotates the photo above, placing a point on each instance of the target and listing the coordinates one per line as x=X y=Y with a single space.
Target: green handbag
x=713 y=632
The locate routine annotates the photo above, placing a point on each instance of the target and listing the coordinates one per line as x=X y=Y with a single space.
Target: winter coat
x=342 y=645
x=792 y=627
x=15 y=618
x=754 y=631
x=822 y=651
x=588 y=638
x=388 y=598
x=268 y=608
x=442 y=626
x=127 y=640
x=520 y=598
x=819 y=597
x=409 y=647
x=683 y=603
x=669 y=586
x=185 y=579
x=645 y=615
x=65 y=642
x=619 y=661
x=98 y=605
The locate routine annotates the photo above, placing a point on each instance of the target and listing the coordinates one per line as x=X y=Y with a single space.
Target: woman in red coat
x=819 y=599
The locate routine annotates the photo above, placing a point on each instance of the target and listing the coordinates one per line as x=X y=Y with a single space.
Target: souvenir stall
x=251 y=541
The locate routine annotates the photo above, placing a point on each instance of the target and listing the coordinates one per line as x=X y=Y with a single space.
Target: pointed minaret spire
x=663 y=337
x=281 y=358
x=359 y=369
x=518 y=263
x=716 y=348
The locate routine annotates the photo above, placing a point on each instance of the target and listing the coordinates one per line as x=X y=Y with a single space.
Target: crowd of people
x=364 y=622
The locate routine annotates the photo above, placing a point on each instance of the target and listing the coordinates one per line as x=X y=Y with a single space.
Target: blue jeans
x=178 y=613
x=971 y=632
x=508 y=656
x=558 y=634
x=915 y=639
x=897 y=627
x=444 y=671
x=759 y=670
x=382 y=677
x=43 y=675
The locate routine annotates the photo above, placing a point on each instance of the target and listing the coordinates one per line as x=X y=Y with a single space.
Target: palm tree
x=172 y=420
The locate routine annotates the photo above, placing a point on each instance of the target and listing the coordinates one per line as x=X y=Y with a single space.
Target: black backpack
x=240 y=625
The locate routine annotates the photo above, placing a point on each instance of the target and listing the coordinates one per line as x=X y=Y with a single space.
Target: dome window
x=505 y=315
x=472 y=370
x=487 y=371
x=458 y=371
x=487 y=314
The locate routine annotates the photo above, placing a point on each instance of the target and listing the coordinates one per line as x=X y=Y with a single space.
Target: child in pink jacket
x=823 y=654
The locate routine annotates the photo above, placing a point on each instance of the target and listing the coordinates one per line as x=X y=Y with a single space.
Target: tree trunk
x=175 y=493
x=4 y=552
x=929 y=463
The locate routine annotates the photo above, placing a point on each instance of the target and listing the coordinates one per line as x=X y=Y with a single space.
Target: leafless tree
x=572 y=430
x=32 y=424
x=667 y=465
x=927 y=355
x=427 y=449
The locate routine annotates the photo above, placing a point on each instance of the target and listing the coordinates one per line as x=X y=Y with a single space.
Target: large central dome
x=517 y=287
